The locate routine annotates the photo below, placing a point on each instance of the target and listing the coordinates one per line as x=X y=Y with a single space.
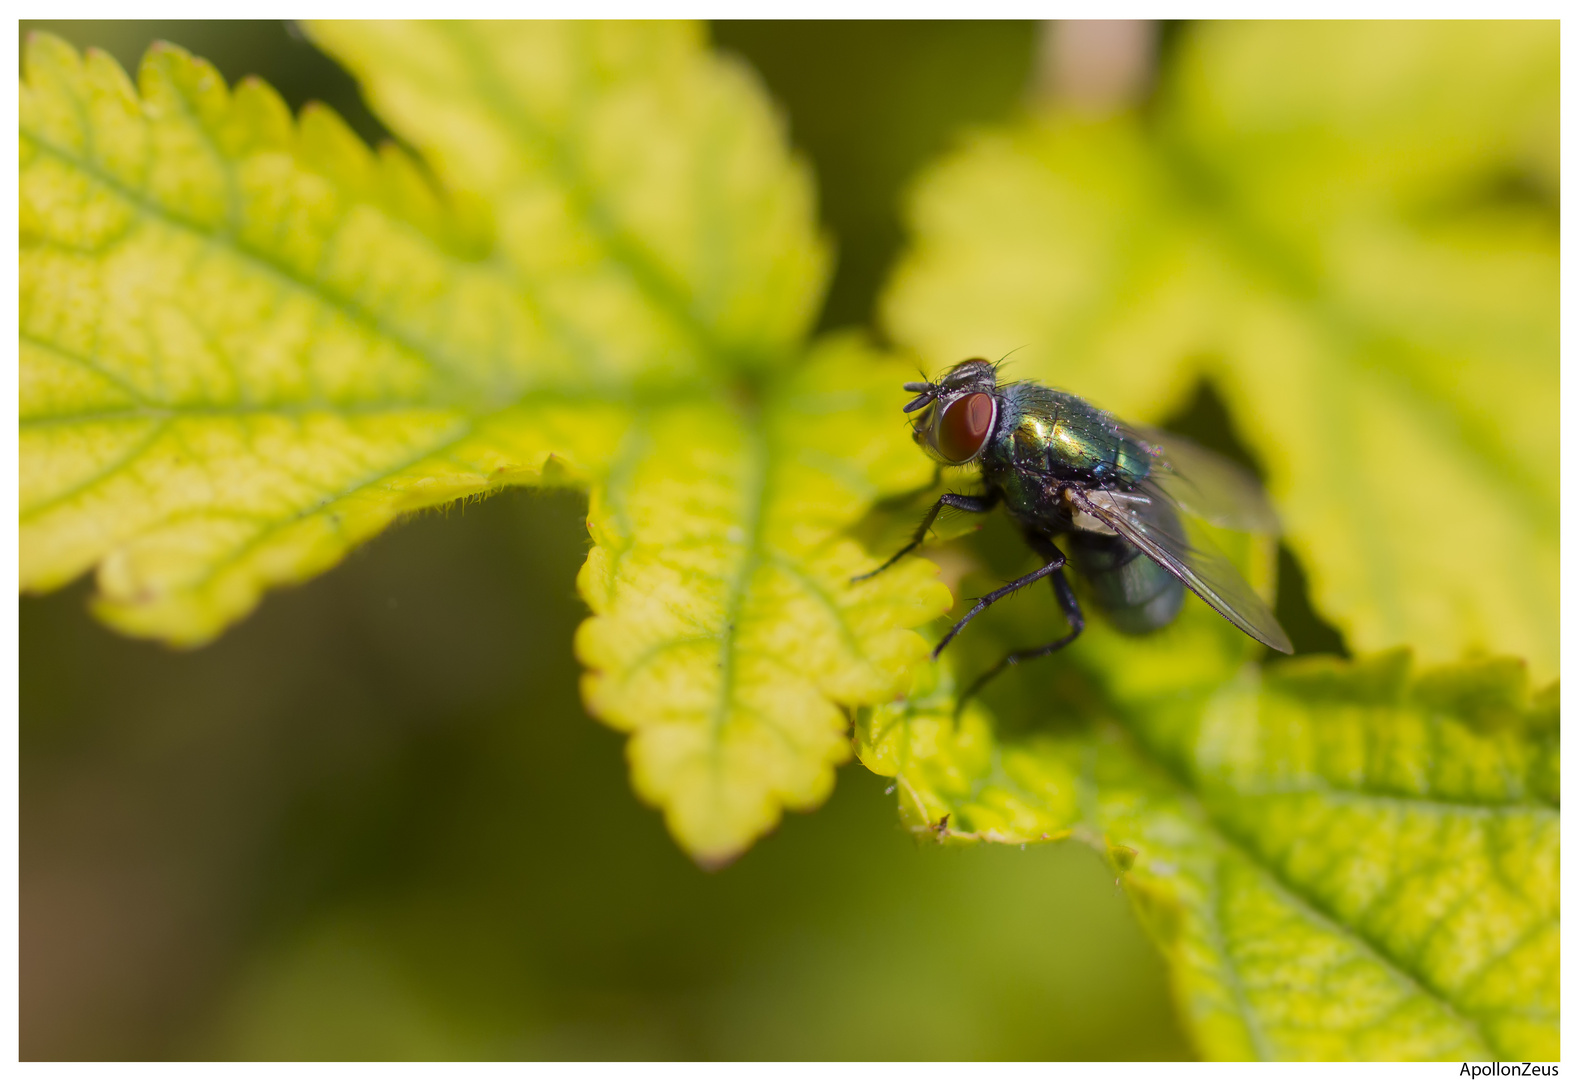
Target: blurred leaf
x=1339 y=860
x=249 y=345
x=640 y=184
x=1351 y=230
x=725 y=632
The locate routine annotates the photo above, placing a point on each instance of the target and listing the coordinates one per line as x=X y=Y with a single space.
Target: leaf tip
x=45 y=51
x=328 y=144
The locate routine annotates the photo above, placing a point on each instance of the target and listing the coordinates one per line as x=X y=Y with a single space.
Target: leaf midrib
x=621 y=247
x=1432 y=804
x=457 y=435
x=755 y=488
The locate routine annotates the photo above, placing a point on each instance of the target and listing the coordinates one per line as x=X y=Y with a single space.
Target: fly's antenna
x=927 y=392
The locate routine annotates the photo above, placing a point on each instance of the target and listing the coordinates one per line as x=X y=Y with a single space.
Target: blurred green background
x=374 y=822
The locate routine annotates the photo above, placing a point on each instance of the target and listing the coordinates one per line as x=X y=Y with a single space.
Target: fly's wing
x=1208 y=485
x=1206 y=571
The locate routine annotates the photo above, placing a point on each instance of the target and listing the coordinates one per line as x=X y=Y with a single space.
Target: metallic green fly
x=1066 y=470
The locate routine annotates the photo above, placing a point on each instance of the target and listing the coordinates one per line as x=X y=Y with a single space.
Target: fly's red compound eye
x=964 y=427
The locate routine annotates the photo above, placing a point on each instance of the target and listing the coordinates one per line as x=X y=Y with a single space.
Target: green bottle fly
x=1069 y=473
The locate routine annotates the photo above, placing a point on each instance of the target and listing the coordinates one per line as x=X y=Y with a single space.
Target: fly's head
x=956 y=414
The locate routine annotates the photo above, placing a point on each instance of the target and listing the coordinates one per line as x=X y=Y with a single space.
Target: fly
x=1067 y=471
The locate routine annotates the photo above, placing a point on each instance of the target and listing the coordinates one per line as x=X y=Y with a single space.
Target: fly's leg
x=1055 y=565
x=1077 y=623
x=974 y=504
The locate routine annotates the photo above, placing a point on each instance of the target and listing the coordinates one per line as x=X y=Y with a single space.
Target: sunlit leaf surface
x=726 y=633
x=1339 y=859
x=1351 y=230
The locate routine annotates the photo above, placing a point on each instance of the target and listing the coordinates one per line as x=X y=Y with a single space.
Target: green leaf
x=726 y=634
x=249 y=344
x=1351 y=231
x=1339 y=859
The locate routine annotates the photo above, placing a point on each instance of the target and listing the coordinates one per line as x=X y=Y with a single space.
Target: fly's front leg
x=974 y=504
x=1072 y=612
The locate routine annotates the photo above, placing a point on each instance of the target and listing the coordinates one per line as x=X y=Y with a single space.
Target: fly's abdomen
x=1135 y=594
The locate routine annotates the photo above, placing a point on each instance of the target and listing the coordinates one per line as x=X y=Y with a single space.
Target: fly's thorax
x=1065 y=437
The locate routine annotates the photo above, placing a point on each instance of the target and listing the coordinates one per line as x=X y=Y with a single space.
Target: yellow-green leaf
x=1338 y=859
x=640 y=183
x=1351 y=230
x=726 y=636
x=248 y=344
